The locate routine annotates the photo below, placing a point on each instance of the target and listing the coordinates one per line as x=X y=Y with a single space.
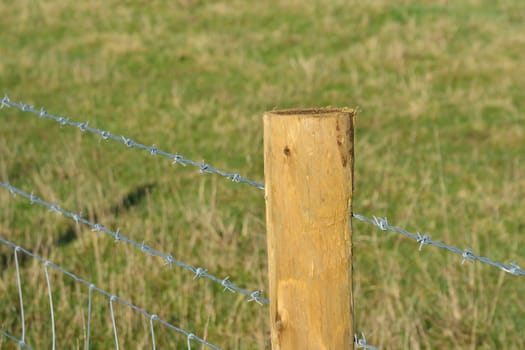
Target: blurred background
x=440 y=149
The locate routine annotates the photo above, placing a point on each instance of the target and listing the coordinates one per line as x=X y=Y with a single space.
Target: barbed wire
x=20 y=342
x=112 y=298
x=381 y=223
x=106 y=135
x=198 y=272
x=423 y=239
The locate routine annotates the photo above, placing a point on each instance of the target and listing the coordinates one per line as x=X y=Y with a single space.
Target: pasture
x=440 y=149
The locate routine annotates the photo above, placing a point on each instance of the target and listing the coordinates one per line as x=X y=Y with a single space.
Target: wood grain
x=308 y=166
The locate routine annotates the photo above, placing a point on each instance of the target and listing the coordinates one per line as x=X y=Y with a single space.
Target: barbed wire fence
x=117 y=236
x=199 y=272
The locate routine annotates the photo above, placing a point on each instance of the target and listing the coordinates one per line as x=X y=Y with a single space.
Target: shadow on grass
x=70 y=234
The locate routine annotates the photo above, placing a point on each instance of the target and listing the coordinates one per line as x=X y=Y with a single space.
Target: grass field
x=440 y=149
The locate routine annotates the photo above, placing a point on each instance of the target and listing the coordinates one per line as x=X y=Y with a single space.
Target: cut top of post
x=312 y=112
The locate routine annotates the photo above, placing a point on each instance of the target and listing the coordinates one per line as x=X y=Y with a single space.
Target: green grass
x=439 y=149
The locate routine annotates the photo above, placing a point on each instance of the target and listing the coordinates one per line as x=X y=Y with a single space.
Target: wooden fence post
x=308 y=168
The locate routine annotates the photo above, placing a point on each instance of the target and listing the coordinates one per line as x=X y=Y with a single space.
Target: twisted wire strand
x=106 y=135
x=423 y=239
x=198 y=272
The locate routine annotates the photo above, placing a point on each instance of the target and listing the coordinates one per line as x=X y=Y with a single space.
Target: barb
x=20 y=342
x=362 y=344
x=466 y=254
x=198 y=272
x=106 y=135
x=112 y=298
